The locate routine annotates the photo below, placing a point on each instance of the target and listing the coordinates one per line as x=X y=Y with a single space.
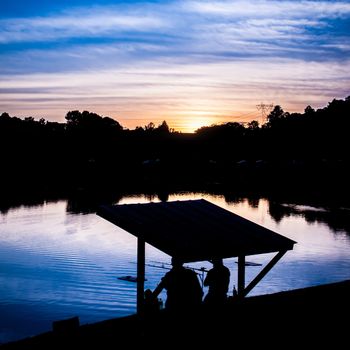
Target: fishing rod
x=160 y=262
x=250 y=263
x=159 y=266
x=201 y=274
x=167 y=266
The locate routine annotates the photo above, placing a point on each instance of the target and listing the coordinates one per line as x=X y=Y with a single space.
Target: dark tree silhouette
x=253 y=125
x=276 y=116
x=91 y=150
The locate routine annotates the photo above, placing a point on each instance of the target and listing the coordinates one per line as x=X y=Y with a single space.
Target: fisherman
x=218 y=280
x=184 y=292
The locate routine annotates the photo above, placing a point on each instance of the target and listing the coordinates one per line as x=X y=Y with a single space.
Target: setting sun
x=190 y=121
x=194 y=123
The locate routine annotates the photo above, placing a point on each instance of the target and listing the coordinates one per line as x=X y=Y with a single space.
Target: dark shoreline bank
x=311 y=187
x=304 y=316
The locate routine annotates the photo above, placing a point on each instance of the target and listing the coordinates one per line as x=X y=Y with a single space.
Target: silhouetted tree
x=89 y=147
x=5 y=116
x=150 y=127
x=275 y=116
x=163 y=128
x=253 y=125
x=90 y=121
x=309 y=111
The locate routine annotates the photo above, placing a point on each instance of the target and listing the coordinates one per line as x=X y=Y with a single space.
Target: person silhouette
x=184 y=292
x=151 y=304
x=218 y=280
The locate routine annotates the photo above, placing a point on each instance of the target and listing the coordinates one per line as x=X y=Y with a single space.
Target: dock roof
x=195 y=230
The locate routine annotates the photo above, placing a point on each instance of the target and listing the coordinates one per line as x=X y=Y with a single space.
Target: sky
x=189 y=62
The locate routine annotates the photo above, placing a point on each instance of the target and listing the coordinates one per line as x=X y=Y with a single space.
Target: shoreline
x=298 y=312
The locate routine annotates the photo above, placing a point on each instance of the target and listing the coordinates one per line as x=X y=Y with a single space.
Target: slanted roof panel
x=195 y=230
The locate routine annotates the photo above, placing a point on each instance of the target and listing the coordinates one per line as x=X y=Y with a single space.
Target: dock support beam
x=264 y=271
x=241 y=275
x=140 y=274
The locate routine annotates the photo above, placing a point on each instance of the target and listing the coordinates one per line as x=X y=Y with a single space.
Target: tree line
x=90 y=149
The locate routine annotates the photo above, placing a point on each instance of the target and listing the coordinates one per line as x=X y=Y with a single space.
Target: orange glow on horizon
x=186 y=96
x=191 y=124
x=185 y=125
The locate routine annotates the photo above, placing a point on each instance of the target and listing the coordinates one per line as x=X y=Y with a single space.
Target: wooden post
x=241 y=275
x=140 y=274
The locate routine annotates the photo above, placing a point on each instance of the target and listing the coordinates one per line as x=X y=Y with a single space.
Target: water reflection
x=338 y=220
x=58 y=259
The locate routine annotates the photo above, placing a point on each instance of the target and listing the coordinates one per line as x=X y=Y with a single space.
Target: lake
x=57 y=263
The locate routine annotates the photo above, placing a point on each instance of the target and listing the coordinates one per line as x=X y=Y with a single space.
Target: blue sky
x=189 y=62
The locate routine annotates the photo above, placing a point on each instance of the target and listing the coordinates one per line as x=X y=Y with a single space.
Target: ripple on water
x=55 y=265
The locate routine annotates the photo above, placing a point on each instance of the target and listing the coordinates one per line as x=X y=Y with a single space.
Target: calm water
x=55 y=264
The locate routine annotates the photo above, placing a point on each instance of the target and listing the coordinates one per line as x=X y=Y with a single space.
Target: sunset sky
x=190 y=63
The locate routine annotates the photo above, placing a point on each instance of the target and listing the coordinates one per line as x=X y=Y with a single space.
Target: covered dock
x=196 y=230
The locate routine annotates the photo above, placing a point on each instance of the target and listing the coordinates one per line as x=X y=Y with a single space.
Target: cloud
x=86 y=23
x=183 y=28
x=169 y=60
x=268 y=8
x=279 y=28
x=158 y=91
